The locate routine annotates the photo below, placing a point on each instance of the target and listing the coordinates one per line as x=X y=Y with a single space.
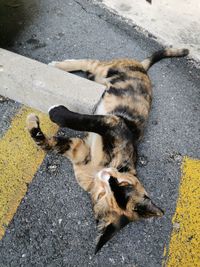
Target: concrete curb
x=41 y=86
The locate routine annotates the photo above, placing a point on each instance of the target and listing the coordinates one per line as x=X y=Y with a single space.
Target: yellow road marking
x=19 y=161
x=184 y=247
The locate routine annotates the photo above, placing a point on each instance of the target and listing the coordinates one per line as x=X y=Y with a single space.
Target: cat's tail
x=164 y=53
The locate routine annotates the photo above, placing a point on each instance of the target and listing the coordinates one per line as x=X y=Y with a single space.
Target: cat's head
x=126 y=201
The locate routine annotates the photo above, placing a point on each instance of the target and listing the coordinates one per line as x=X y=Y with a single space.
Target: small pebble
x=142 y=161
x=176 y=226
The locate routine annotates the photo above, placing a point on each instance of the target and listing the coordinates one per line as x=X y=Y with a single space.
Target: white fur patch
x=52 y=107
x=32 y=118
x=101 y=109
x=104 y=174
x=53 y=63
x=32 y=121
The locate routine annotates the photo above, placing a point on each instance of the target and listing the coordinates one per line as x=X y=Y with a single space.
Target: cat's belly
x=96 y=148
x=101 y=108
x=95 y=140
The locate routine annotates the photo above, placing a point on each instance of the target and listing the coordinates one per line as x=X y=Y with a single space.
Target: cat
x=104 y=160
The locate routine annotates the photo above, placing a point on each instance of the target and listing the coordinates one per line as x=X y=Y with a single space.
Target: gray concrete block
x=40 y=86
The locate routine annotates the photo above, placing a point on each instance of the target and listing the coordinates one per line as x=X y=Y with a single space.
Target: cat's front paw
x=58 y=114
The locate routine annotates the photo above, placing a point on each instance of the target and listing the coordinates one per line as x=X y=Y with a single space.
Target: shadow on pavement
x=15 y=15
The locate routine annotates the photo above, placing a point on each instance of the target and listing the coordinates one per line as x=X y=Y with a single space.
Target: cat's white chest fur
x=95 y=140
x=101 y=109
x=96 y=148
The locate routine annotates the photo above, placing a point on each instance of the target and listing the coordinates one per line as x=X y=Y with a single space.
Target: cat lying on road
x=104 y=160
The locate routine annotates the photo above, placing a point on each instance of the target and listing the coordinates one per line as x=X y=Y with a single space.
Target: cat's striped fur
x=104 y=161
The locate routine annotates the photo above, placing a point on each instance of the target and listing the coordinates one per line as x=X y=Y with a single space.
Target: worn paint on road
x=19 y=160
x=185 y=240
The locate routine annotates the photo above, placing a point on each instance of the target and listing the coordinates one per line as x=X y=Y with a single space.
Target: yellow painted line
x=19 y=161
x=184 y=247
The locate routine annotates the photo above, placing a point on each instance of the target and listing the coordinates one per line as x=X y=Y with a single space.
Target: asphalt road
x=54 y=225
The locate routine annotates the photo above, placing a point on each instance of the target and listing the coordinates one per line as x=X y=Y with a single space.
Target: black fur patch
x=123 y=111
x=132 y=121
x=117 y=72
x=62 y=144
x=141 y=89
x=157 y=56
x=128 y=114
x=121 y=77
x=37 y=134
x=147 y=208
x=130 y=90
x=121 y=193
x=110 y=231
x=112 y=72
x=123 y=168
x=108 y=145
x=118 y=91
x=90 y=76
x=135 y=130
x=107 y=235
x=123 y=221
x=137 y=68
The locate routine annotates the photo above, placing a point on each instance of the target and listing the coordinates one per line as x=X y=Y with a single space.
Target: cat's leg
x=75 y=64
x=100 y=124
x=95 y=69
x=74 y=148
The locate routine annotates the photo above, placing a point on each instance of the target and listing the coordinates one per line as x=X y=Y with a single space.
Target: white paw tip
x=32 y=118
x=32 y=121
x=52 y=107
x=53 y=63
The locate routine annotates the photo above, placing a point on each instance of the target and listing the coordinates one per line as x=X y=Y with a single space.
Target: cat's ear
x=146 y=208
x=110 y=230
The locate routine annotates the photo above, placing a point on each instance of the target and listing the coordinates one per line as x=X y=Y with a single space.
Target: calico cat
x=104 y=160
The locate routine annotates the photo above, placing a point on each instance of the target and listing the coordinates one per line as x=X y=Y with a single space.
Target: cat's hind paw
x=33 y=126
x=32 y=121
x=53 y=63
